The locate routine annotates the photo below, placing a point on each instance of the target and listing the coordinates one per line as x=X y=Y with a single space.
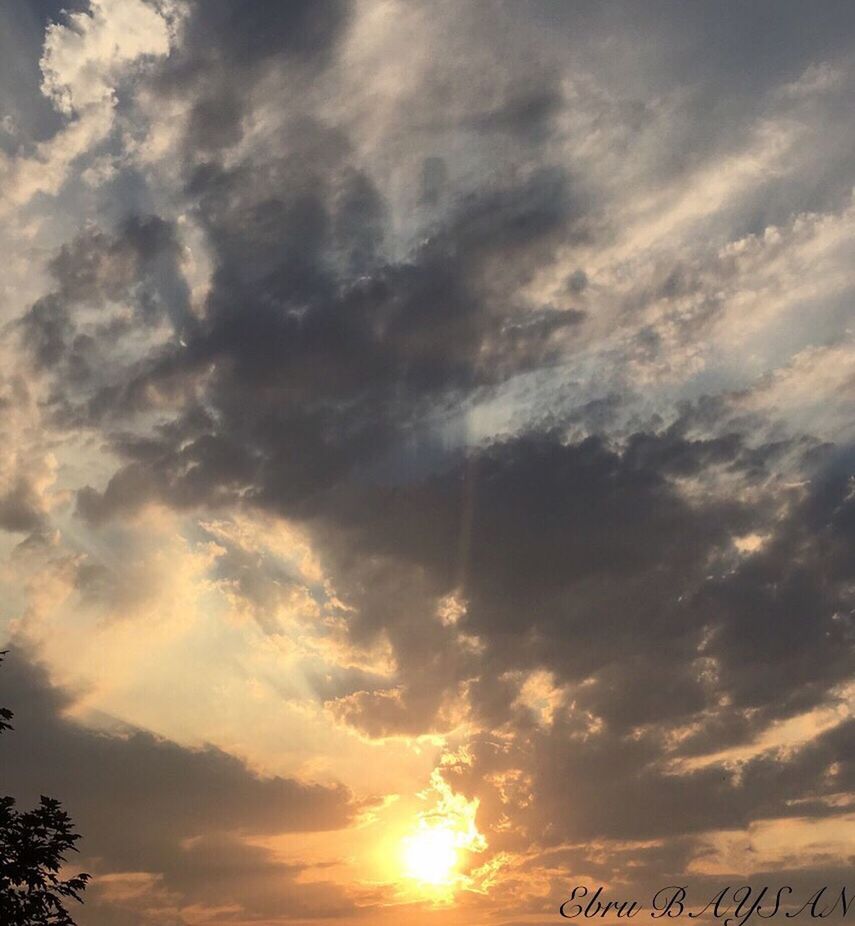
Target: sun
x=430 y=855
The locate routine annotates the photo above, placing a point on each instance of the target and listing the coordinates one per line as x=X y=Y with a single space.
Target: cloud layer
x=467 y=387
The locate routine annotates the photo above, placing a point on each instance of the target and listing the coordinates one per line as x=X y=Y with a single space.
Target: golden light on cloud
x=434 y=851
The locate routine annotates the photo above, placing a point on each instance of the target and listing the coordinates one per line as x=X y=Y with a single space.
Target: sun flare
x=430 y=855
x=435 y=854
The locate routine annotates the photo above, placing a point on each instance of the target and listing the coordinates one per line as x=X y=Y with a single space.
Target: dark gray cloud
x=590 y=563
x=613 y=787
x=228 y=46
x=27 y=117
x=21 y=507
x=316 y=374
x=137 y=265
x=246 y=34
x=146 y=804
x=81 y=333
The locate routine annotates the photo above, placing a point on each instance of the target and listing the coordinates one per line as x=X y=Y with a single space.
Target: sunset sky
x=428 y=437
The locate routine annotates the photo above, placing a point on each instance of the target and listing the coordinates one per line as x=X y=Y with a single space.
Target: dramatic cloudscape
x=426 y=479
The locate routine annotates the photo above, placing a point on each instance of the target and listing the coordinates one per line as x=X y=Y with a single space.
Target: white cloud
x=82 y=60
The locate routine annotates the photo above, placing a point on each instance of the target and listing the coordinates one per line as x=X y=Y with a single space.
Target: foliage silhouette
x=33 y=846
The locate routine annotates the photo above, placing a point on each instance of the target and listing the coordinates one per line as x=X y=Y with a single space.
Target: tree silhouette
x=33 y=846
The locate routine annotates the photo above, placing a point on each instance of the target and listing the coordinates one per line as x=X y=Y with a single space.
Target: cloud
x=483 y=374
x=146 y=804
x=80 y=59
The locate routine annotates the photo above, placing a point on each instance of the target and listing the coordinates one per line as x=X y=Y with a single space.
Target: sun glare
x=435 y=855
x=430 y=855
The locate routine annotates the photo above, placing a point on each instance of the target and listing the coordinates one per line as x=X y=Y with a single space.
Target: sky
x=426 y=459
